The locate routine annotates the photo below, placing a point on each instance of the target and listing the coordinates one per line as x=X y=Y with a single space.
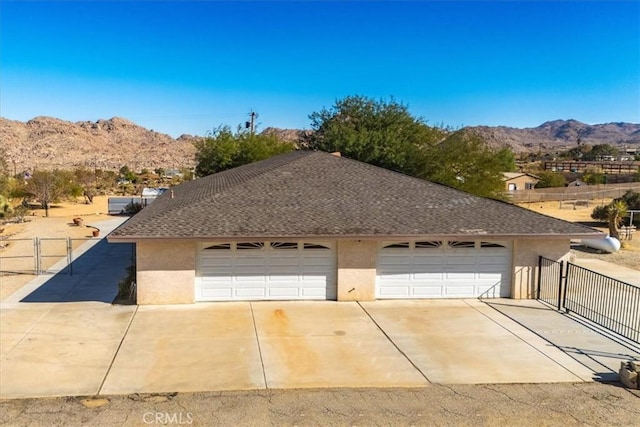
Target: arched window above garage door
x=491 y=245
x=461 y=244
x=219 y=246
x=402 y=245
x=249 y=245
x=434 y=244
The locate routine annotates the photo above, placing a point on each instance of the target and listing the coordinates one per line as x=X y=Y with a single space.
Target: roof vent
x=336 y=153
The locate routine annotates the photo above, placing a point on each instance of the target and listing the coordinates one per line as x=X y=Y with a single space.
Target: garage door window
x=250 y=245
x=490 y=245
x=284 y=245
x=403 y=245
x=222 y=246
x=314 y=246
x=462 y=244
x=428 y=245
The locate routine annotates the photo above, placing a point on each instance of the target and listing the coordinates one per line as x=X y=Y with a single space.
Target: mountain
x=48 y=143
x=560 y=134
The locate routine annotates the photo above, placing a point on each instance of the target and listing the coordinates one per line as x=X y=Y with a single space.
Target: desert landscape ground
x=59 y=225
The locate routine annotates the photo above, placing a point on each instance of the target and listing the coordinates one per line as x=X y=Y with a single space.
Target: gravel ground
x=583 y=404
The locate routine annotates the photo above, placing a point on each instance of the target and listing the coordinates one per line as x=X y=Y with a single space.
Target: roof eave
x=586 y=235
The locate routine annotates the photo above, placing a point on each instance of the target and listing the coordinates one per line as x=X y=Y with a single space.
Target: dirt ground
x=526 y=405
x=58 y=225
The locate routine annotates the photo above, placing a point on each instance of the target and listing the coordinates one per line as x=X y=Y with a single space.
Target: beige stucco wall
x=166 y=272
x=520 y=182
x=357 y=270
x=525 y=262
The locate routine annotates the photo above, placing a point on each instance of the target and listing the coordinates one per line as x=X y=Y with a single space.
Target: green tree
x=550 y=179
x=224 y=149
x=464 y=161
x=382 y=133
x=593 y=177
x=600 y=152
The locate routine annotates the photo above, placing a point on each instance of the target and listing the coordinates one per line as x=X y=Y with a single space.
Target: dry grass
x=628 y=256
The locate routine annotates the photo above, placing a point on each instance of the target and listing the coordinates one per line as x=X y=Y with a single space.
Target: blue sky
x=187 y=67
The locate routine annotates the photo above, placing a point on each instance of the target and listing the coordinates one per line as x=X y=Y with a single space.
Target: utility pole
x=251 y=124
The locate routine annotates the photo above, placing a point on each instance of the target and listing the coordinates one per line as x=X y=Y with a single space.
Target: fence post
x=539 y=276
x=560 y=286
x=566 y=283
x=35 y=255
x=70 y=255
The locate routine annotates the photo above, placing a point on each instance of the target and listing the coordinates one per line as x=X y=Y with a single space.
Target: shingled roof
x=316 y=194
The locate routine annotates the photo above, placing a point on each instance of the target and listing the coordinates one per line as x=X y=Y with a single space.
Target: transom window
x=429 y=245
x=313 y=246
x=461 y=244
x=402 y=245
x=220 y=246
x=250 y=245
x=284 y=245
x=491 y=245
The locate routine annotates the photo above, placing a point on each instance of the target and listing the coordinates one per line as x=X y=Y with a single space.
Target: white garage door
x=266 y=271
x=443 y=269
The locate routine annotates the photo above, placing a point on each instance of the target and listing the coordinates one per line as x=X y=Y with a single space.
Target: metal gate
x=603 y=300
x=38 y=255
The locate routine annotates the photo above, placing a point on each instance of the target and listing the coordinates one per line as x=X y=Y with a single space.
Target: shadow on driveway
x=593 y=347
x=92 y=276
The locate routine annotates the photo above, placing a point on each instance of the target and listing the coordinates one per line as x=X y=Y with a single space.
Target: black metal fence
x=603 y=300
x=550 y=281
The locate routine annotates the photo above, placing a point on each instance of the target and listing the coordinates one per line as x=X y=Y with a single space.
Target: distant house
x=519 y=181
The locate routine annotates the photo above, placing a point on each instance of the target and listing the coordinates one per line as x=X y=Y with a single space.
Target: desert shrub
x=133 y=208
x=5 y=207
x=550 y=179
x=600 y=213
x=127 y=287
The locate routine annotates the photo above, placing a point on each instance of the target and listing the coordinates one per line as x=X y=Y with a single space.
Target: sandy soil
x=58 y=225
x=628 y=256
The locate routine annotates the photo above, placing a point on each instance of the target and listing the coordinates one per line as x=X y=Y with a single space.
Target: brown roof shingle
x=307 y=193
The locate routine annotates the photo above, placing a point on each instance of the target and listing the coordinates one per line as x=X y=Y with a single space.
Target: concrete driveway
x=86 y=348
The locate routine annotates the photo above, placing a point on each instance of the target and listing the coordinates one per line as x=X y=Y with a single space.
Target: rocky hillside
x=560 y=134
x=48 y=143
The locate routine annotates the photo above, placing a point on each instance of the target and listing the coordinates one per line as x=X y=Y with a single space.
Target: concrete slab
x=599 y=351
x=453 y=342
x=59 y=351
x=203 y=347
x=328 y=344
x=616 y=271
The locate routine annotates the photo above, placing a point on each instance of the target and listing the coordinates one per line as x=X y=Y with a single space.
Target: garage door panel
x=428 y=277
x=250 y=292
x=395 y=291
x=435 y=291
x=284 y=271
x=221 y=293
x=443 y=272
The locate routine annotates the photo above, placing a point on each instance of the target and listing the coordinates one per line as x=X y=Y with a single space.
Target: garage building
x=315 y=226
